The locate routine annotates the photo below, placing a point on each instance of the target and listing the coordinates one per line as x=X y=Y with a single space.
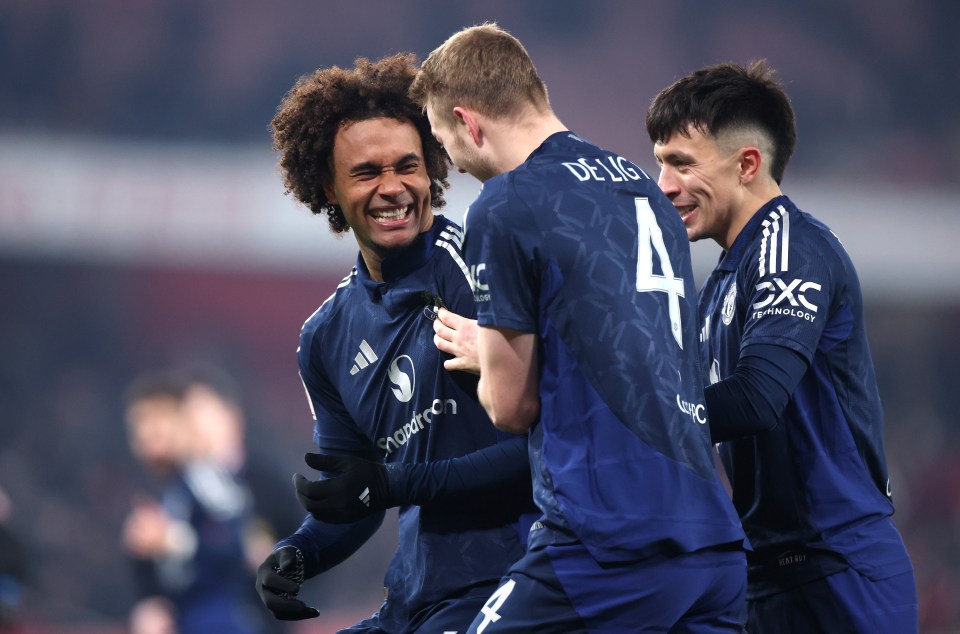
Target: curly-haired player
x=393 y=426
x=306 y=126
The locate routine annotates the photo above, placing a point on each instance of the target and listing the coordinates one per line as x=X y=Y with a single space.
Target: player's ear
x=468 y=118
x=329 y=192
x=750 y=161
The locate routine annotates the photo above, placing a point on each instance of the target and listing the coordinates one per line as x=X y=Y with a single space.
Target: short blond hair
x=482 y=67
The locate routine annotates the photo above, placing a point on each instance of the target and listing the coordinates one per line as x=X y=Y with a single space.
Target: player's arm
x=509 y=388
x=752 y=399
x=355 y=487
x=314 y=548
x=327 y=545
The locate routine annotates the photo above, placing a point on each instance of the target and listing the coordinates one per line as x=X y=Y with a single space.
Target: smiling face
x=380 y=182
x=703 y=181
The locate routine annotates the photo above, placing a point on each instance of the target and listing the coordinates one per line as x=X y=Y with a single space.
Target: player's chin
x=693 y=235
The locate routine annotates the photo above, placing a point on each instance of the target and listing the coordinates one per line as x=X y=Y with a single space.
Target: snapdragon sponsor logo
x=403 y=382
x=696 y=411
x=418 y=423
x=792 y=294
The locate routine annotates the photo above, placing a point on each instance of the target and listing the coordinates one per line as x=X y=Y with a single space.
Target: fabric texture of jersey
x=580 y=247
x=378 y=389
x=813 y=493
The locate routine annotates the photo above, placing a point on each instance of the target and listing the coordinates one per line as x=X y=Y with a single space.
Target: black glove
x=358 y=490
x=279 y=578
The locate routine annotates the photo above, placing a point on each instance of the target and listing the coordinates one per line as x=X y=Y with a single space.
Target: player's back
x=622 y=446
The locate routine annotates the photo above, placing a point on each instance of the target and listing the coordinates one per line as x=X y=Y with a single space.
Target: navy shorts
x=842 y=602
x=450 y=616
x=562 y=589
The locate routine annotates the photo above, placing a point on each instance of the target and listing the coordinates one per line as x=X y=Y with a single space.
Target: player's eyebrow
x=368 y=166
x=673 y=156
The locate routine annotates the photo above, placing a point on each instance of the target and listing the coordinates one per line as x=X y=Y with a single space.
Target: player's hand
x=358 y=489
x=457 y=335
x=279 y=578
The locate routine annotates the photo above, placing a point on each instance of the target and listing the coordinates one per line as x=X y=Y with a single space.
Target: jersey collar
x=402 y=262
x=730 y=260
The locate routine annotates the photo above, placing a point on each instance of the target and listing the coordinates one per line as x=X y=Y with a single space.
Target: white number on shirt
x=489 y=611
x=651 y=239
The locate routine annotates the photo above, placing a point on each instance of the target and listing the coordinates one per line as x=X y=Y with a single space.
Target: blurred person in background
x=394 y=428
x=13 y=567
x=793 y=399
x=195 y=545
x=212 y=403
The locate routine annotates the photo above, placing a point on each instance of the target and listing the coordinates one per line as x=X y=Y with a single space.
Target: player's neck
x=753 y=200
x=517 y=139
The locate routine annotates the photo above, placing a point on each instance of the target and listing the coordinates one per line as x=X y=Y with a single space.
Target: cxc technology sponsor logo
x=478 y=281
x=793 y=293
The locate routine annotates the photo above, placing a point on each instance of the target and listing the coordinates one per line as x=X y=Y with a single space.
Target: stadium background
x=142 y=223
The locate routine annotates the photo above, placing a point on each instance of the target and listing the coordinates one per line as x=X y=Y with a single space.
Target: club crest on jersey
x=729 y=304
x=433 y=304
x=403 y=383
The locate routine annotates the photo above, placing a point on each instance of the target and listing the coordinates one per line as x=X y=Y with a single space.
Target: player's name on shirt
x=613 y=168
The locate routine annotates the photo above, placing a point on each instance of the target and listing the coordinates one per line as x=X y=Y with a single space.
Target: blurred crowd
x=871 y=81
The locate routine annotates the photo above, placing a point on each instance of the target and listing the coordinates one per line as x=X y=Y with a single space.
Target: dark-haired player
x=585 y=298
x=793 y=398
x=393 y=426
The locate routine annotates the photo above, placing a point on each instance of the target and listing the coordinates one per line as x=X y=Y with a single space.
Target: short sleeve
x=501 y=255
x=789 y=286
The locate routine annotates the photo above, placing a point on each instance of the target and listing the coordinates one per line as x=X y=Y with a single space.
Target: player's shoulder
x=320 y=320
x=447 y=234
x=495 y=202
x=784 y=230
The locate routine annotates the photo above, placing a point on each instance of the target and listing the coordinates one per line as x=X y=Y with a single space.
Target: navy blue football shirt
x=580 y=247
x=378 y=389
x=813 y=493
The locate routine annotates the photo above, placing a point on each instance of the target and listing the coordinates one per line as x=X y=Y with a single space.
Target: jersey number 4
x=650 y=239
x=489 y=611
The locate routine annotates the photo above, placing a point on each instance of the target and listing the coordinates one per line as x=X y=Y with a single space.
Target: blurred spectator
x=212 y=404
x=13 y=568
x=192 y=546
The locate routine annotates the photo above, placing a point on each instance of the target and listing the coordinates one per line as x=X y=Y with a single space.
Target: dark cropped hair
x=156 y=384
x=309 y=116
x=725 y=97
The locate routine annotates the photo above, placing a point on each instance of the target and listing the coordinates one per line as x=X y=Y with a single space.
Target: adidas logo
x=365 y=497
x=365 y=357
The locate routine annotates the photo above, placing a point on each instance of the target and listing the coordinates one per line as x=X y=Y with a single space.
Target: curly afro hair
x=310 y=115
